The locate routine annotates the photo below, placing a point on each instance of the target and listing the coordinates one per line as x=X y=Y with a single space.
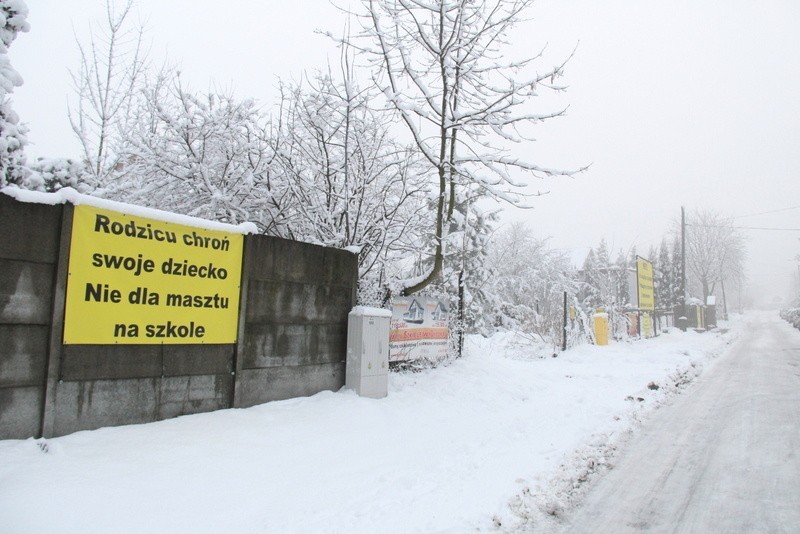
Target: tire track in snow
x=720 y=458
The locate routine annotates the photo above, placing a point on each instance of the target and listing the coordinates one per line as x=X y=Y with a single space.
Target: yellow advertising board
x=645 y=287
x=135 y=280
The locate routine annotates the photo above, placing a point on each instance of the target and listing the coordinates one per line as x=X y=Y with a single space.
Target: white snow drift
x=487 y=441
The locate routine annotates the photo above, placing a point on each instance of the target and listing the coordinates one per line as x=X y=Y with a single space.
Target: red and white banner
x=419 y=329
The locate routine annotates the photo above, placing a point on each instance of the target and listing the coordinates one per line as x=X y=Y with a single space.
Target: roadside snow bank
x=542 y=501
x=447 y=450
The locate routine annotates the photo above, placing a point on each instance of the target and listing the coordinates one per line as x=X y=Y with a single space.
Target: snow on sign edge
x=70 y=195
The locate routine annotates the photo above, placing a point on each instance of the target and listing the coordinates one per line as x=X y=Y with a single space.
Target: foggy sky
x=693 y=103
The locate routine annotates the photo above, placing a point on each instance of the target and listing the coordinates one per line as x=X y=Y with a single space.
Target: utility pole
x=461 y=284
x=683 y=265
x=724 y=301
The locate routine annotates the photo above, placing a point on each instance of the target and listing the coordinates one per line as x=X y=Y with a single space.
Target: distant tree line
x=715 y=253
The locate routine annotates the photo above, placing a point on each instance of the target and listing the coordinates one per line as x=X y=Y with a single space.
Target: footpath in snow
x=498 y=440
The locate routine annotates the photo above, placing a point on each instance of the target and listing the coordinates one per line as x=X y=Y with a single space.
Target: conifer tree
x=589 y=293
x=623 y=296
x=663 y=276
x=676 y=259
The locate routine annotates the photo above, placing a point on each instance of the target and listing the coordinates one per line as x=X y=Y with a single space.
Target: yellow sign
x=136 y=280
x=644 y=277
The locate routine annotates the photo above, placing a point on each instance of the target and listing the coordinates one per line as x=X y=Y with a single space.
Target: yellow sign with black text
x=135 y=280
x=646 y=288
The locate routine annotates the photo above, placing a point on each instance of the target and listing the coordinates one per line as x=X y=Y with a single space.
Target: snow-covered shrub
x=13 y=169
x=792 y=316
x=528 y=284
x=52 y=174
x=13 y=19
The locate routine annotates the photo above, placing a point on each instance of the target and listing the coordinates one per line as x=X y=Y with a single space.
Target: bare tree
x=440 y=66
x=111 y=69
x=349 y=182
x=323 y=168
x=715 y=250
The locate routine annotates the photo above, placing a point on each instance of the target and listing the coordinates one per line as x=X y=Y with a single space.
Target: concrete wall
x=29 y=252
x=292 y=337
x=295 y=321
x=104 y=385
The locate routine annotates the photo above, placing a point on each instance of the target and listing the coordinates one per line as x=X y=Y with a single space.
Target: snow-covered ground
x=499 y=438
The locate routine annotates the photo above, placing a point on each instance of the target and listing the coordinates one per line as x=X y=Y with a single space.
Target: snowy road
x=723 y=457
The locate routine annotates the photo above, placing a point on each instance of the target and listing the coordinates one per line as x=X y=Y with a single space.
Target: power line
x=758 y=228
x=742 y=227
x=766 y=212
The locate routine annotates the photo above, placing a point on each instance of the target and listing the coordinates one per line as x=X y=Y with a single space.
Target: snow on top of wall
x=70 y=195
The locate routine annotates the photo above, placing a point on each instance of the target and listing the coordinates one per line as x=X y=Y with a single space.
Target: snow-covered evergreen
x=51 y=174
x=13 y=170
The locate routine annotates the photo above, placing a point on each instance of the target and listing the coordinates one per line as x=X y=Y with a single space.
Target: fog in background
x=688 y=103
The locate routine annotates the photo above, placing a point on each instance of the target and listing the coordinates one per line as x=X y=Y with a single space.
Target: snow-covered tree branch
x=715 y=250
x=440 y=66
x=112 y=66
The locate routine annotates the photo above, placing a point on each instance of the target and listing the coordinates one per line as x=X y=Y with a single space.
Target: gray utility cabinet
x=368 y=351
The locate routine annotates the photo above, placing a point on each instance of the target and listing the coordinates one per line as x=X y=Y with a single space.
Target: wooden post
x=724 y=302
x=683 y=266
x=238 y=348
x=564 y=325
x=461 y=312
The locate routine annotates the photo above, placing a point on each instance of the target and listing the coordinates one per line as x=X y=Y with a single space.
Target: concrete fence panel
x=29 y=251
x=295 y=298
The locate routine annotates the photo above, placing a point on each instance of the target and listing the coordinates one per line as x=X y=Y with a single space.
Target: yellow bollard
x=600 y=327
x=647 y=325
